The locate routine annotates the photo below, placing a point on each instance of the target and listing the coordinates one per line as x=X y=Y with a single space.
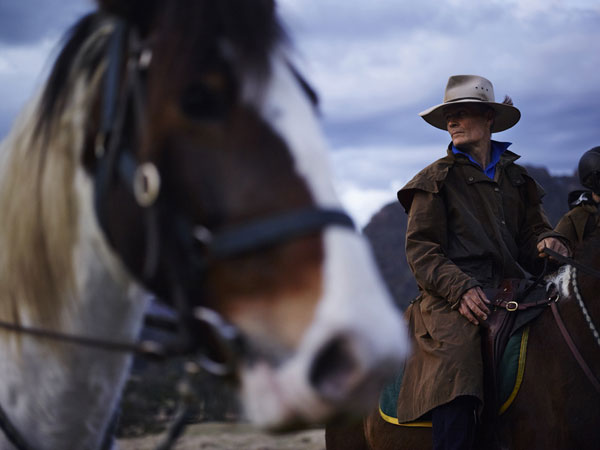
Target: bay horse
x=176 y=150
x=558 y=403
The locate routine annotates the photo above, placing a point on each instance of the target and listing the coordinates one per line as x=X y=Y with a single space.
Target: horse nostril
x=334 y=370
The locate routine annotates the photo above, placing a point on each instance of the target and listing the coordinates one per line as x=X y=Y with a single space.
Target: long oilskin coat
x=464 y=230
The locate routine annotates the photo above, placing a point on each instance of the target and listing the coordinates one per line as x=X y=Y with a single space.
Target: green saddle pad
x=510 y=377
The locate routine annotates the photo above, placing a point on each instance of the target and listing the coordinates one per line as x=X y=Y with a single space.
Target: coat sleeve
x=426 y=240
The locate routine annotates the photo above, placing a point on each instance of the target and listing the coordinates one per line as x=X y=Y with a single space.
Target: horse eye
x=202 y=103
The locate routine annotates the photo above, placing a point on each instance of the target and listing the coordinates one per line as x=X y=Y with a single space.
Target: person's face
x=468 y=124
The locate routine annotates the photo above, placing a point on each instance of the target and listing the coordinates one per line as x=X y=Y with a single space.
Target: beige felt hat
x=472 y=89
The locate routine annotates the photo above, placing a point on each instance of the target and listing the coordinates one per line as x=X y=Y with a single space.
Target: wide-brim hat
x=472 y=89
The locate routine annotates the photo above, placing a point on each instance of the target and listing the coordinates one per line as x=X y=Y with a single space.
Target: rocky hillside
x=387 y=228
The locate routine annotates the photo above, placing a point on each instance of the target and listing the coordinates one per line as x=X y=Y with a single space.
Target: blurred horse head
x=175 y=149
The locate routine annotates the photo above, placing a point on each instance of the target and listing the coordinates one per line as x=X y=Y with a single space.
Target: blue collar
x=497 y=149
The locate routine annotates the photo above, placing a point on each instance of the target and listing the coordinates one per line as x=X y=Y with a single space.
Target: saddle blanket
x=510 y=377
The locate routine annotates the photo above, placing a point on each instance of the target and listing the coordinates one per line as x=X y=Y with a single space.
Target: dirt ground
x=230 y=436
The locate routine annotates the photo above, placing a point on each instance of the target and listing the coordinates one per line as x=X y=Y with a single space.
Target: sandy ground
x=228 y=436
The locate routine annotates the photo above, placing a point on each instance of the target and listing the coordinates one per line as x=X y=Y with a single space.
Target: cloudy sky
x=376 y=64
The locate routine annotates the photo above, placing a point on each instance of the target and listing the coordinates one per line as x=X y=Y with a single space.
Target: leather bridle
x=190 y=249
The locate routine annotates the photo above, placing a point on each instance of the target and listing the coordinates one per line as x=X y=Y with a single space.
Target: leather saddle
x=514 y=304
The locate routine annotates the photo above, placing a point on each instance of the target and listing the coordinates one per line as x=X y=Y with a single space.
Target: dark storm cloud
x=355 y=20
x=25 y=22
x=388 y=127
x=377 y=64
x=545 y=56
x=556 y=136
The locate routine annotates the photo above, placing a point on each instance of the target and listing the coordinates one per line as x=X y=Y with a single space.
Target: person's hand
x=552 y=244
x=473 y=305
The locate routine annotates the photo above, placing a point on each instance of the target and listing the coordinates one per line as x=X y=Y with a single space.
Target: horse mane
x=54 y=95
x=38 y=198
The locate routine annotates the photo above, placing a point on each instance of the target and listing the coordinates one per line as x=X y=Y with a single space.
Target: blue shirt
x=497 y=149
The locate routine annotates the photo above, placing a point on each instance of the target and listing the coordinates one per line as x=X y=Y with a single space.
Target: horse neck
x=585 y=286
x=57 y=272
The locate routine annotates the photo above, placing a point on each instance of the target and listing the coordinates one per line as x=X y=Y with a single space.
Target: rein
x=225 y=335
x=145 y=348
x=571 y=262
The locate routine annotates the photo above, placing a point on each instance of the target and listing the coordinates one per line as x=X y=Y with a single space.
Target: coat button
x=503 y=222
x=497 y=189
x=471 y=178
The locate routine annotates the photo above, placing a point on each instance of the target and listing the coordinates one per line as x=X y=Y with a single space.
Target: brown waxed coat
x=575 y=225
x=464 y=230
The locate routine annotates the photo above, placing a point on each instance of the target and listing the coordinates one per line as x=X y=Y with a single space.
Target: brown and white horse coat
x=321 y=330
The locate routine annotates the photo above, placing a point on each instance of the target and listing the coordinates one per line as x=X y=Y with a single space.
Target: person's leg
x=454 y=424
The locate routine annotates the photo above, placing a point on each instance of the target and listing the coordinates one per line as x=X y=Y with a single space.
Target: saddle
x=513 y=305
x=504 y=341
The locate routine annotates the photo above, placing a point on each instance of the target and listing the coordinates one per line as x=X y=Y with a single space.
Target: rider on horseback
x=474 y=219
x=583 y=219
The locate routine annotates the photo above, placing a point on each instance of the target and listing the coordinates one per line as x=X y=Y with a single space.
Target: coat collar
x=506 y=158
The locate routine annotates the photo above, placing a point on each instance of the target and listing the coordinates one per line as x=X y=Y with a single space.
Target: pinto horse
x=558 y=403
x=176 y=150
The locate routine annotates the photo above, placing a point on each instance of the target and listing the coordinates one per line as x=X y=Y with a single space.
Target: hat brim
x=506 y=115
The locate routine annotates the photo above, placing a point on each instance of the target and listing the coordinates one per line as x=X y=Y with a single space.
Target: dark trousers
x=454 y=424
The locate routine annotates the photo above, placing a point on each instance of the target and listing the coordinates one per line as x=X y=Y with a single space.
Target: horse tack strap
x=572 y=262
x=513 y=305
x=511 y=295
x=569 y=341
x=146 y=348
x=274 y=230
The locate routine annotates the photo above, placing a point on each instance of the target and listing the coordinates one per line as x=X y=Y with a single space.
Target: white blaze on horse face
x=355 y=306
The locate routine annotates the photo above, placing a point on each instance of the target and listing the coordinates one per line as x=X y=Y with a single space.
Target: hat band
x=466 y=98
